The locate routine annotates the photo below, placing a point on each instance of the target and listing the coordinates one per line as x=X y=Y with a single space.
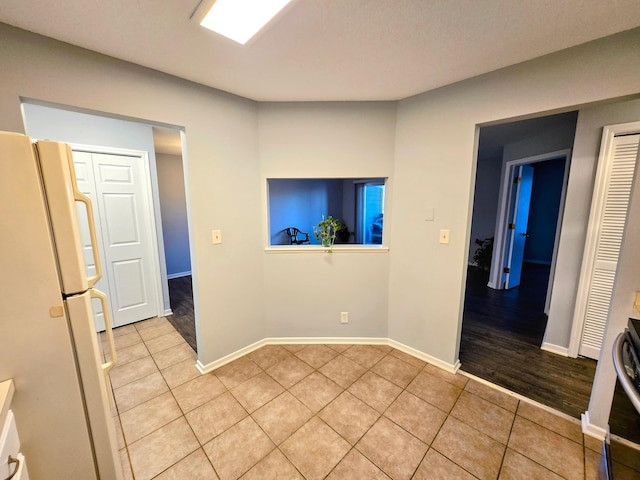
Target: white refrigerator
x=48 y=343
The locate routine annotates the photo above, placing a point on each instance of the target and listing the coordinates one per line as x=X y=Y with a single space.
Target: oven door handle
x=618 y=363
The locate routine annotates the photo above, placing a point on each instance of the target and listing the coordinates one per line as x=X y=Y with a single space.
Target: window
x=369 y=212
x=301 y=203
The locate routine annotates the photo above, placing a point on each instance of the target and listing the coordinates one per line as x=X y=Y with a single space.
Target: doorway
x=101 y=131
x=527 y=228
x=503 y=328
x=175 y=230
x=134 y=222
x=117 y=182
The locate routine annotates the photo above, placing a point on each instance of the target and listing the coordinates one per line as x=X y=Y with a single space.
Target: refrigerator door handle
x=16 y=462
x=81 y=197
x=106 y=367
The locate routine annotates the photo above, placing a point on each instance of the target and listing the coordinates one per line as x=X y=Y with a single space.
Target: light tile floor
x=328 y=411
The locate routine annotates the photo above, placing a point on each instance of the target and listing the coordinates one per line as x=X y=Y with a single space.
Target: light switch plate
x=444 y=236
x=216 y=237
x=429 y=214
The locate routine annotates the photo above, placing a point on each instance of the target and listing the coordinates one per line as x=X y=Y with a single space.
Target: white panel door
x=117 y=186
x=85 y=180
x=607 y=222
x=125 y=217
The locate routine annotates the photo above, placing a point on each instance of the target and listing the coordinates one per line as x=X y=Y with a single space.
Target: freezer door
x=56 y=165
x=94 y=384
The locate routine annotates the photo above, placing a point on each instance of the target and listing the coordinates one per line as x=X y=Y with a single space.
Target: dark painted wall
x=543 y=214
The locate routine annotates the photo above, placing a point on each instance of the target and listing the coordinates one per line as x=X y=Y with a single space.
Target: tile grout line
x=504 y=454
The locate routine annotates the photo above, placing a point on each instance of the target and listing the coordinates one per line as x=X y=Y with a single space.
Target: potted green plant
x=325 y=231
x=482 y=255
x=343 y=235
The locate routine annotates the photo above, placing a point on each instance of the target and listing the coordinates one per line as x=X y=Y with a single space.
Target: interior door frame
x=500 y=246
x=148 y=193
x=609 y=132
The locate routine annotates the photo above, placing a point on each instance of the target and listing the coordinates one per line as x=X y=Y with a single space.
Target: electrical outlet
x=444 y=236
x=216 y=237
x=344 y=317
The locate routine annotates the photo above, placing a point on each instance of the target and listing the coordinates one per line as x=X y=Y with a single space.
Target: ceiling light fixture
x=240 y=20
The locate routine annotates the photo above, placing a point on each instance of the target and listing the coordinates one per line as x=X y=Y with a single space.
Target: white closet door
x=125 y=216
x=606 y=228
x=117 y=186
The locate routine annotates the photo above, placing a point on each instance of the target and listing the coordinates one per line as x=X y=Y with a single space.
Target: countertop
x=6 y=395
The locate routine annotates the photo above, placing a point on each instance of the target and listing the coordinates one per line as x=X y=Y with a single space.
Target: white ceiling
x=330 y=49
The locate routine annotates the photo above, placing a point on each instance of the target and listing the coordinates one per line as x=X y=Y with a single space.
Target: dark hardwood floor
x=502 y=331
x=183 y=318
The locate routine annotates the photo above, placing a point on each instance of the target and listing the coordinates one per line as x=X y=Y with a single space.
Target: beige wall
x=221 y=154
x=434 y=166
x=175 y=226
x=586 y=149
x=305 y=293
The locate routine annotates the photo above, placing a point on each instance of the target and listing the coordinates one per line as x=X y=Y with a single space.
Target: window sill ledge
x=319 y=249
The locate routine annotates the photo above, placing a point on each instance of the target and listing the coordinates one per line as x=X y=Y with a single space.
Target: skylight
x=240 y=20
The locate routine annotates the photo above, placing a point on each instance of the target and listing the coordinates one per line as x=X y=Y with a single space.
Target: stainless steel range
x=626 y=360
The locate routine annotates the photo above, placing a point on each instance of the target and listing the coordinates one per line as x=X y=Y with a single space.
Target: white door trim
x=496 y=277
x=588 y=258
x=144 y=156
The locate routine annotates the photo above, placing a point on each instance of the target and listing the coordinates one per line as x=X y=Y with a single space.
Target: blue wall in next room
x=543 y=214
x=301 y=203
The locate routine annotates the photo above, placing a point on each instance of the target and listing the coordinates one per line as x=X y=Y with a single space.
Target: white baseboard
x=178 y=275
x=327 y=340
x=209 y=367
x=451 y=368
x=167 y=312
x=592 y=430
x=557 y=349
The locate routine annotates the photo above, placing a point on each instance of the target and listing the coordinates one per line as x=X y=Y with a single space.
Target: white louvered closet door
x=606 y=227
